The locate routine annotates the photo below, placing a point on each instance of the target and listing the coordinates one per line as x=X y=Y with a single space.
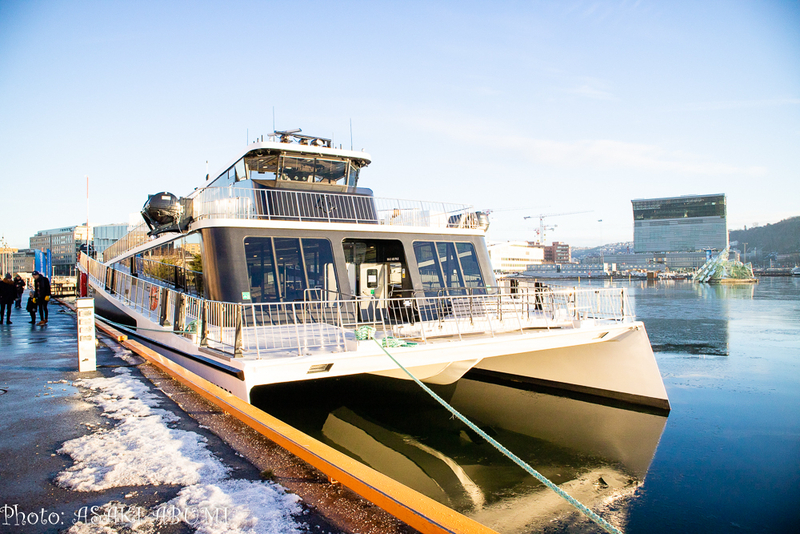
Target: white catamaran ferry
x=282 y=268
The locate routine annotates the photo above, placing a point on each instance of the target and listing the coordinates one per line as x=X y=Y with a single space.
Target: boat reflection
x=597 y=453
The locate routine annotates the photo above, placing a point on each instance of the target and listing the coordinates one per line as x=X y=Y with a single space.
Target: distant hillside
x=578 y=253
x=781 y=238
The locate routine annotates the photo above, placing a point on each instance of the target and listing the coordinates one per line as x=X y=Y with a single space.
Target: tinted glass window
x=449 y=263
x=261 y=269
x=469 y=265
x=428 y=265
x=289 y=264
x=319 y=264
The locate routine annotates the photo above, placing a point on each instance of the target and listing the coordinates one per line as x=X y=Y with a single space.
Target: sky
x=568 y=109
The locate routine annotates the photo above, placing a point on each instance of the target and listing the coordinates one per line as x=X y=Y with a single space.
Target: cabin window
x=282 y=268
x=319 y=265
x=297 y=169
x=262 y=167
x=352 y=176
x=469 y=265
x=447 y=265
x=428 y=266
x=261 y=269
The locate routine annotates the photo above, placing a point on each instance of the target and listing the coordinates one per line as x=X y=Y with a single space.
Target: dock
x=45 y=409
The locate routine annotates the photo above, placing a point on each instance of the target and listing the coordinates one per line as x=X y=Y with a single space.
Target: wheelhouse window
x=448 y=266
x=281 y=269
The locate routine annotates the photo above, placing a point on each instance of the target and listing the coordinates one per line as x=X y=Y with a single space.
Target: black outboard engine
x=164 y=212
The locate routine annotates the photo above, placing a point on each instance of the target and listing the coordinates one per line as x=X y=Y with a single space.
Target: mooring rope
x=605 y=525
x=146 y=329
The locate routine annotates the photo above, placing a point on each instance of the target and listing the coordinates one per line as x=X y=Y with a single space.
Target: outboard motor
x=164 y=212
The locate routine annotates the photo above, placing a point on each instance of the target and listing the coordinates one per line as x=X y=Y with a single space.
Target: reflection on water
x=597 y=453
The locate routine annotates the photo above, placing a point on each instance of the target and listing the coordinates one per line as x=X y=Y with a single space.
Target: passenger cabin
x=286 y=222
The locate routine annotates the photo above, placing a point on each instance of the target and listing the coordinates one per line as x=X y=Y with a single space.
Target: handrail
x=259 y=329
x=281 y=204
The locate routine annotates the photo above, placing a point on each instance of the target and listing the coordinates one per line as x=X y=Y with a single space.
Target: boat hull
x=623 y=368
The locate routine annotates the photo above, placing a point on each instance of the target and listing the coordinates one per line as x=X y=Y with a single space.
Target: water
x=727 y=459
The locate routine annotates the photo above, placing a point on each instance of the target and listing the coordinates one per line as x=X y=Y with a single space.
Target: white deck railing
x=263 y=330
x=305 y=206
x=315 y=206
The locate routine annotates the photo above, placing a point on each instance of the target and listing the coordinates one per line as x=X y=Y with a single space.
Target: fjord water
x=726 y=459
x=729 y=458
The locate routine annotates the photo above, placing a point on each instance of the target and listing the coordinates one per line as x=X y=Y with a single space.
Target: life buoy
x=153 y=298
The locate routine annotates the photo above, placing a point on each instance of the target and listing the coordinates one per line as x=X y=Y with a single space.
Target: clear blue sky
x=553 y=107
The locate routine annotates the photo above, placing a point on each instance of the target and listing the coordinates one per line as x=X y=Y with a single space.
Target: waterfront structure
x=64 y=244
x=557 y=252
x=570 y=270
x=106 y=235
x=515 y=256
x=305 y=275
x=680 y=224
x=674 y=261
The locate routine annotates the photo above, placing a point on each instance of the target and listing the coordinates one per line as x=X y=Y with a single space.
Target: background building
x=515 y=256
x=680 y=224
x=557 y=253
x=6 y=259
x=64 y=244
x=106 y=235
x=23 y=261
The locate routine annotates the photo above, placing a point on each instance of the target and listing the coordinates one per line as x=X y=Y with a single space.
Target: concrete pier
x=42 y=409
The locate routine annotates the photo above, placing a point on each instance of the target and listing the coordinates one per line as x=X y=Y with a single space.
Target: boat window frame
x=478 y=284
x=281 y=281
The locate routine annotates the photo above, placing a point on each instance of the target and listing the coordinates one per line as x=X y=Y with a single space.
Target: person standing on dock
x=41 y=293
x=19 y=283
x=8 y=294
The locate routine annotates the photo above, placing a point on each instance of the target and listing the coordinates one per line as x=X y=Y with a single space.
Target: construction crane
x=543 y=228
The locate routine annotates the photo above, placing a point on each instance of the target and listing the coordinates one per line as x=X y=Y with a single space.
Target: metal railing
x=307 y=206
x=135 y=237
x=329 y=321
x=311 y=206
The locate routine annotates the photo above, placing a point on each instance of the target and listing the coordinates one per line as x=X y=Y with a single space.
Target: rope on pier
x=605 y=525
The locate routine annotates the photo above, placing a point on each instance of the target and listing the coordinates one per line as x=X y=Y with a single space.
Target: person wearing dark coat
x=19 y=284
x=31 y=307
x=8 y=294
x=41 y=294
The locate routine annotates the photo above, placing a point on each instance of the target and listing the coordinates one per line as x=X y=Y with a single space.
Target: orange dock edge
x=416 y=510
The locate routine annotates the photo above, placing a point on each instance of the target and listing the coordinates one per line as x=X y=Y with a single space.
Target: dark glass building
x=680 y=224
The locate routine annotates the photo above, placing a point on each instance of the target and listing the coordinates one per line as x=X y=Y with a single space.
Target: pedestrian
x=31 y=307
x=19 y=283
x=8 y=294
x=41 y=295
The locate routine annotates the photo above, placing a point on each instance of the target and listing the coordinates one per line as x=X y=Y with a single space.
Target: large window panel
x=469 y=264
x=289 y=264
x=261 y=269
x=449 y=263
x=428 y=265
x=319 y=265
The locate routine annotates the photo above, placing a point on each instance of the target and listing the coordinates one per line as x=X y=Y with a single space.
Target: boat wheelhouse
x=283 y=268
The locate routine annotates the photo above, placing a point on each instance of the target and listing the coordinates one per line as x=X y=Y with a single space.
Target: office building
x=515 y=256
x=64 y=244
x=106 y=235
x=557 y=253
x=680 y=224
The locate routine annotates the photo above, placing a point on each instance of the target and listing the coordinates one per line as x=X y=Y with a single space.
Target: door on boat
x=378 y=275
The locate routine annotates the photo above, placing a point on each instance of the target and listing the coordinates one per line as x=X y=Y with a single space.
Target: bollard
x=87 y=355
